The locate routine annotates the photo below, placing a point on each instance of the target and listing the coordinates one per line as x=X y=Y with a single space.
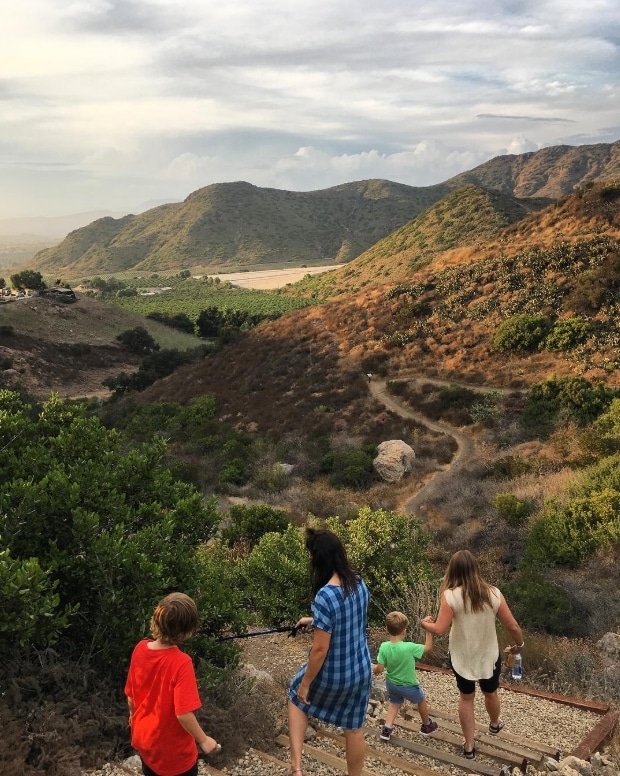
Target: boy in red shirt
x=162 y=694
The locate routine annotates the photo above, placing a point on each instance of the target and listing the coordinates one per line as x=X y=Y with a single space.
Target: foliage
x=276 y=578
x=250 y=523
x=138 y=340
x=30 y=613
x=109 y=526
x=7 y=330
x=153 y=367
x=566 y=334
x=180 y=321
x=569 y=534
x=540 y=605
x=565 y=398
x=390 y=552
x=350 y=467
x=521 y=332
x=512 y=509
x=29 y=278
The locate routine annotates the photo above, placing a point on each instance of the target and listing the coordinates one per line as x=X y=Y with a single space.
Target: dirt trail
x=465 y=445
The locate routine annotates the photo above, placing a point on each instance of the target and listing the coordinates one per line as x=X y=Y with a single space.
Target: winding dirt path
x=465 y=445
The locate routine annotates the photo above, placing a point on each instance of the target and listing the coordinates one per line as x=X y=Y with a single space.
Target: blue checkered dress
x=339 y=694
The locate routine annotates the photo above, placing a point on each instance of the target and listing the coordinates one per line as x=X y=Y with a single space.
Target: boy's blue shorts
x=398 y=693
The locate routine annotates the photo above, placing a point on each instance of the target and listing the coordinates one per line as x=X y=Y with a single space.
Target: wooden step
x=406 y=766
x=519 y=752
x=496 y=751
x=483 y=735
x=471 y=766
x=324 y=757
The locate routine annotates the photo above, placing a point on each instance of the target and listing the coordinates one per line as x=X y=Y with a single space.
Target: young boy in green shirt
x=397 y=658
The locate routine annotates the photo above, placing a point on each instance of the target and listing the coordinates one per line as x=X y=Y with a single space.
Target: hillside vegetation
x=237 y=225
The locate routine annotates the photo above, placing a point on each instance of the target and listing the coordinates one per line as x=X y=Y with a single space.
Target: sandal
x=495 y=729
x=296 y=770
x=469 y=755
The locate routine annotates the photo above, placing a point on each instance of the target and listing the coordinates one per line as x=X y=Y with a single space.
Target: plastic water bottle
x=517 y=667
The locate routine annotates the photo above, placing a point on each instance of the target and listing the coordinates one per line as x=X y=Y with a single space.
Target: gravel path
x=541 y=720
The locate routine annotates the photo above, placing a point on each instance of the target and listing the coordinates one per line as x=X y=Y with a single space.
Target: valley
x=478 y=321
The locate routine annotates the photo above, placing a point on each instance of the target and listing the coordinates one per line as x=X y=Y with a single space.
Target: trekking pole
x=291 y=629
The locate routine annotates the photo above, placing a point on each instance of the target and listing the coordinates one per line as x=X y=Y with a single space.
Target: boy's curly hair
x=175 y=619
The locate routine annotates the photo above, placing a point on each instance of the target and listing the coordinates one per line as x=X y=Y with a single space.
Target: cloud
x=147 y=98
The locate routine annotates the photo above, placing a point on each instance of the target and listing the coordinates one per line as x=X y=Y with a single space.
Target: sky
x=117 y=104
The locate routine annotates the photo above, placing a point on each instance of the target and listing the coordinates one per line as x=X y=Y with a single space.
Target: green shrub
x=566 y=334
x=276 y=578
x=349 y=467
x=109 y=526
x=568 y=398
x=512 y=509
x=568 y=535
x=138 y=340
x=540 y=605
x=509 y=467
x=389 y=550
x=250 y=523
x=521 y=332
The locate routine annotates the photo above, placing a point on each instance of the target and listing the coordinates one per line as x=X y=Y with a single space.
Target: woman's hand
x=303 y=623
x=302 y=692
x=428 y=620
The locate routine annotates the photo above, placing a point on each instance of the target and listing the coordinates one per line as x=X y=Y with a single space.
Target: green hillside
x=468 y=216
x=236 y=225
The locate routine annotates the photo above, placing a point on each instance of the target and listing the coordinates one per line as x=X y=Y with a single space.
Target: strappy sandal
x=296 y=770
x=495 y=729
x=469 y=755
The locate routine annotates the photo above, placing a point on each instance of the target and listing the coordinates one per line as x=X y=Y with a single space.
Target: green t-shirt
x=399 y=658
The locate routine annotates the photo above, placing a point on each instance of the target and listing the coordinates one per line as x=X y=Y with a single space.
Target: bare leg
x=467 y=719
x=392 y=713
x=423 y=709
x=491 y=702
x=297 y=724
x=356 y=751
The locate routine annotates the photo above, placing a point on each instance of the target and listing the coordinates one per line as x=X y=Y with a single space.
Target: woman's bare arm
x=318 y=653
x=443 y=622
x=506 y=617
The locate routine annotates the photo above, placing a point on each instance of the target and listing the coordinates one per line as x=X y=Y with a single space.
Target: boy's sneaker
x=429 y=728
x=386 y=733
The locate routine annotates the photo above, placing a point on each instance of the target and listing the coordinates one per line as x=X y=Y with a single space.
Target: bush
x=512 y=509
x=568 y=535
x=138 y=340
x=7 y=330
x=391 y=553
x=276 y=577
x=350 y=467
x=540 y=605
x=250 y=523
x=566 y=334
x=521 y=332
x=110 y=529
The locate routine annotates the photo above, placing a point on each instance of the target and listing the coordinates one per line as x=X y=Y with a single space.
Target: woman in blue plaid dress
x=334 y=685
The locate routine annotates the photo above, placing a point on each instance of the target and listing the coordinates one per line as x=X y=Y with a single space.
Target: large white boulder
x=394 y=459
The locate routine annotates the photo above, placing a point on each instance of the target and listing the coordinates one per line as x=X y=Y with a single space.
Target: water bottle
x=517 y=667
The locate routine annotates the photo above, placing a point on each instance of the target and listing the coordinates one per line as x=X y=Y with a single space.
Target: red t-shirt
x=162 y=684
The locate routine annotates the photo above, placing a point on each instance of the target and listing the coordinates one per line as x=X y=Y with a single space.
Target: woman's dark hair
x=328 y=557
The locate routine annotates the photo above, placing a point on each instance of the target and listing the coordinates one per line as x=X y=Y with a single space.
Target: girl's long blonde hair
x=463 y=571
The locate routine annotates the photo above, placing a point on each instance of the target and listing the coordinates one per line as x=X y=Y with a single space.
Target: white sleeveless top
x=473 y=639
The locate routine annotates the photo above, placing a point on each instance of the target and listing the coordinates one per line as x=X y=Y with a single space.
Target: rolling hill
x=237 y=225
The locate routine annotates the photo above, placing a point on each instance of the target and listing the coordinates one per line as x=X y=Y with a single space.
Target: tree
x=28 y=279
x=138 y=340
x=107 y=532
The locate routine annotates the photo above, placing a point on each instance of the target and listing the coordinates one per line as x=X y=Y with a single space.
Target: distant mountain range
x=238 y=225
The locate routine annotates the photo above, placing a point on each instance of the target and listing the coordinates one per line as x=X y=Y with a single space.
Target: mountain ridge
x=236 y=224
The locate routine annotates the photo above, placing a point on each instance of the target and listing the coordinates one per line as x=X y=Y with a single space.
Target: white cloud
x=148 y=98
